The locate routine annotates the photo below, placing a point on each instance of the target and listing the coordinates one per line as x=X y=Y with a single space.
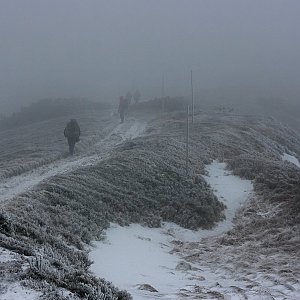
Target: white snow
x=135 y=130
x=291 y=159
x=17 y=292
x=6 y=255
x=136 y=255
x=13 y=290
x=231 y=190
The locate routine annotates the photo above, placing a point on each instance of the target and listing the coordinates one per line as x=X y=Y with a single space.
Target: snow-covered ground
x=13 y=290
x=135 y=257
x=17 y=292
x=231 y=190
x=165 y=258
x=6 y=255
x=291 y=159
x=15 y=185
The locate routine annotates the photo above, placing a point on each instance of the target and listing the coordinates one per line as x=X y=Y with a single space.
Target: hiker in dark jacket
x=72 y=133
x=123 y=105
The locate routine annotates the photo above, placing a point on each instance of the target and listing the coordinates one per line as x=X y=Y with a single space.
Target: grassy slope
x=144 y=181
x=264 y=244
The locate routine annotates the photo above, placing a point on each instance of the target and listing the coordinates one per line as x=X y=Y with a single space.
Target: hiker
x=136 y=96
x=123 y=105
x=72 y=133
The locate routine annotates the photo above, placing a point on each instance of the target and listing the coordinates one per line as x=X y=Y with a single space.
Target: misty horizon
x=102 y=49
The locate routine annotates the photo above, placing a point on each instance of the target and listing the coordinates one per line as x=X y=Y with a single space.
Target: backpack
x=72 y=130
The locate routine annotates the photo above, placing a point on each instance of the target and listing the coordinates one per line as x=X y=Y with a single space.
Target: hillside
x=135 y=173
x=283 y=105
x=48 y=109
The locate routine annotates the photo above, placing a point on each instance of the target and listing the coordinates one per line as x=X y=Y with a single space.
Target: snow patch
x=231 y=190
x=135 y=130
x=291 y=159
x=137 y=255
x=16 y=291
x=6 y=255
x=133 y=256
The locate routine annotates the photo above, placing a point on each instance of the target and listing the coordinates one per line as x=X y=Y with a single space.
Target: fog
x=101 y=49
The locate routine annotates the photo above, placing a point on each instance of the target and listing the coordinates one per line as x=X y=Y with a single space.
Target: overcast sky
x=101 y=49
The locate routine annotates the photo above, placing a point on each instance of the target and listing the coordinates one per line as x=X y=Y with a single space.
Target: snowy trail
x=231 y=190
x=134 y=256
x=16 y=185
x=291 y=158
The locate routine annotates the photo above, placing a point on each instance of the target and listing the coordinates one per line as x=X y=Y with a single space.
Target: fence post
x=163 y=94
x=187 y=140
x=192 y=90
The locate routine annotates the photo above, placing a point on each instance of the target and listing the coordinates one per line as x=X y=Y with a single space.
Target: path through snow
x=135 y=255
x=291 y=159
x=13 y=186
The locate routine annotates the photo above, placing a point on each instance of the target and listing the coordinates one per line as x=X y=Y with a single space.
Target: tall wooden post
x=163 y=94
x=192 y=90
x=187 y=139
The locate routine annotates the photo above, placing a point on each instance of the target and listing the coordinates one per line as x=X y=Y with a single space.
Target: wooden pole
x=163 y=93
x=187 y=139
x=192 y=89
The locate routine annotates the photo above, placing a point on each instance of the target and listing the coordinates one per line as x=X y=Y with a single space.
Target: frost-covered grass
x=262 y=249
x=27 y=147
x=143 y=181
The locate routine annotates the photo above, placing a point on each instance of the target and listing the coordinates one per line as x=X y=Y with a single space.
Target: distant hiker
x=136 y=96
x=123 y=105
x=129 y=98
x=72 y=133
